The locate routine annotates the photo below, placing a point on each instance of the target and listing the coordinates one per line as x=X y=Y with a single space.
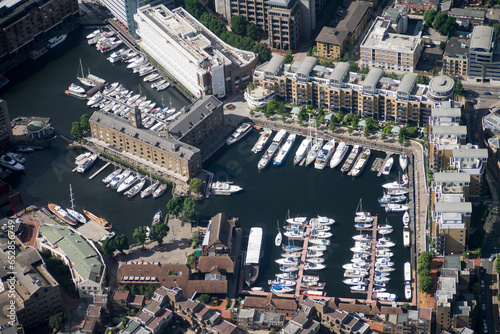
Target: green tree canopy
x=76 y=130
x=159 y=231
x=422 y=79
x=140 y=234
x=56 y=321
x=84 y=122
x=459 y=89
x=122 y=243
x=204 y=298
x=252 y=31
x=174 y=206
x=288 y=57
x=426 y=283
x=239 y=25
x=189 y=210
x=443 y=24
x=429 y=16
x=195 y=185
x=271 y=106
x=108 y=246
x=353 y=66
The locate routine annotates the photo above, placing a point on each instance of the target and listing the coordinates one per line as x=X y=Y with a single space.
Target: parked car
x=487 y=93
x=492 y=257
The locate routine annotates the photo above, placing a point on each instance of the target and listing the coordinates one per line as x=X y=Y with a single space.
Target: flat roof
x=274 y=64
x=463 y=207
x=479 y=153
x=407 y=83
x=373 y=77
x=492 y=122
x=449 y=130
x=443 y=177
x=441 y=84
x=379 y=38
x=446 y=112
x=339 y=71
x=476 y=14
x=457 y=47
x=307 y=65
x=172 y=146
x=482 y=37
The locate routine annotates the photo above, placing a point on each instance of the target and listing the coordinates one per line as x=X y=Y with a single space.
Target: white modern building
x=198 y=59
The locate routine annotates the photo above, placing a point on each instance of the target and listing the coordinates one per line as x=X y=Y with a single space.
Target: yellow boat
x=101 y=221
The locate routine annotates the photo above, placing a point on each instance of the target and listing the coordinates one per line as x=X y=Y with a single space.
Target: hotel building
x=24 y=24
x=381 y=47
x=338 y=89
x=198 y=59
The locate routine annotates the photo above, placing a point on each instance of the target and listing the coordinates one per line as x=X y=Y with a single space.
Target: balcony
x=258 y=97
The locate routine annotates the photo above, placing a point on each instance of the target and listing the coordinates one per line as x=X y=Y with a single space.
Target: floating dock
x=377 y=164
x=302 y=261
x=372 y=264
x=100 y=170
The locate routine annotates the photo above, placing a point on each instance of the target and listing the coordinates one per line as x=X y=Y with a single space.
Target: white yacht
x=149 y=190
x=325 y=155
x=129 y=181
x=361 y=163
x=224 y=188
x=264 y=137
x=301 y=153
x=10 y=163
x=56 y=41
x=76 y=89
x=117 y=180
x=396 y=208
x=339 y=154
x=87 y=163
x=284 y=150
x=17 y=156
x=271 y=151
x=313 y=152
x=388 y=166
x=240 y=132
x=108 y=178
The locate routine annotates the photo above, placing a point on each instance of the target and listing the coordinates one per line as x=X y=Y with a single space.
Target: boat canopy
x=254 y=243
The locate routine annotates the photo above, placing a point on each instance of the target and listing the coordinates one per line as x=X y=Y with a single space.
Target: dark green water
x=37 y=89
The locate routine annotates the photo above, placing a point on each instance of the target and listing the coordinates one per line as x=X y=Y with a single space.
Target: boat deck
x=372 y=264
x=358 y=157
x=377 y=165
x=302 y=260
x=383 y=164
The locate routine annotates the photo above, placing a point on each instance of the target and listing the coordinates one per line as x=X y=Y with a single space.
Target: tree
x=174 y=206
x=365 y=69
x=239 y=25
x=283 y=117
x=195 y=185
x=401 y=139
x=76 y=130
x=496 y=27
x=84 y=122
x=367 y=132
x=422 y=79
x=449 y=26
x=204 y=298
x=439 y=21
x=57 y=320
x=353 y=66
x=288 y=57
x=122 y=242
x=158 y=232
x=429 y=16
x=252 y=31
x=426 y=283
x=189 y=210
x=442 y=45
x=215 y=300
x=350 y=130
x=383 y=136
x=459 y=89
x=332 y=126
x=140 y=234
x=108 y=246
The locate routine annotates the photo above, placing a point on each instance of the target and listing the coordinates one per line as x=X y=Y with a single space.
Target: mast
x=71 y=197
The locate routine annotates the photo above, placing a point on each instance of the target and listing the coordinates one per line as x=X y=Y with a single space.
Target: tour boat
x=325 y=155
x=87 y=163
x=388 y=166
x=62 y=214
x=350 y=159
x=360 y=164
x=314 y=266
x=101 y=221
x=224 y=188
x=284 y=150
x=314 y=151
x=261 y=142
x=160 y=190
x=303 y=149
x=108 y=178
x=149 y=190
x=240 y=132
x=339 y=154
x=253 y=255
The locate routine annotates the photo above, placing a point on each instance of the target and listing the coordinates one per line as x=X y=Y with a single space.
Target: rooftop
x=446 y=112
x=379 y=37
x=449 y=130
x=476 y=14
x=491 y=122
x=373 y=77
x=307 y=65
x=469 y=153
x=339 y=71
x=443 y=177
x=331 y=35
x=441 y=84
x=407 y=83
x=145 y=135
x=274 y=64
x=462 y=207
x=355 y=13
x=482 y=38
x=456 y=47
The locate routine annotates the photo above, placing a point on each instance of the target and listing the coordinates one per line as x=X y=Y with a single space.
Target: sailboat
x=361 y=216
x=279 y=237
x=313 y=152
x=82 y=78
x=403 y=159
x=75 y=214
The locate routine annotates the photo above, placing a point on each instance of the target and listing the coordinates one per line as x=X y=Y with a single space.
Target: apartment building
x=330 y=42
x=491 y=130
x=451 y=222
x=472 y=160
x=5 y=126
x=484 y=55
x=337 y=89
x=35 y=292
x=196 y=57
x=24 y=24
x=389 y=50
x=284 y=22
x=413 y=322
x=80 y=255
x=456 y=58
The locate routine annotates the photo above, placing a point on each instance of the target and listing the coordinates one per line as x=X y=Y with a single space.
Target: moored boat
x=271 y=151
x=346 y=167
x=284 y=150
x=396 y=208
x=261 y=142
x=339 y=154
x=403 y=161
x=240 y=132
x=301 y=153
x=101 y=221
x=224 y=188
x=252 y=259
x=87 y=163
x=325 y=155
x=388 y=166
x=160 y=190
x=132 y=192
x=361 y=163
x=149 y=190
x=62 y=214
x=314 y=151
x=77 y=215
x=108 y=178
x=53 y=42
